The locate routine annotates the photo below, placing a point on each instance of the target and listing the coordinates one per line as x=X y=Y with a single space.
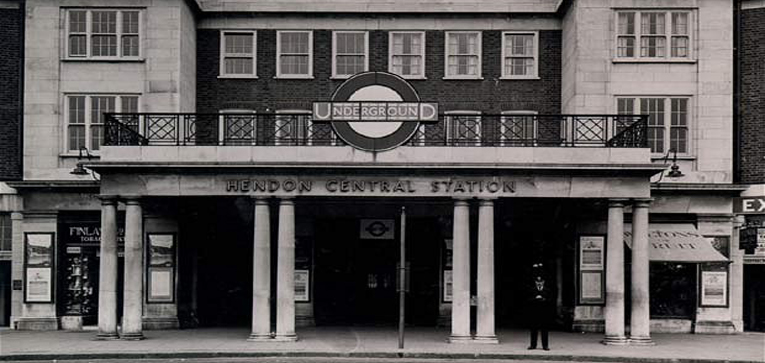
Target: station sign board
x=749 y=205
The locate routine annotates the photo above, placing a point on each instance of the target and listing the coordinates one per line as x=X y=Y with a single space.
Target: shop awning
x=677 y=245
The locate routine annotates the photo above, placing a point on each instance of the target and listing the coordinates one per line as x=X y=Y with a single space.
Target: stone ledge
x=42 y=323
x=714 y=327
x=160 y=323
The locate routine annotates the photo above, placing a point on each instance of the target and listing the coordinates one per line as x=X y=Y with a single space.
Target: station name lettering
x=369 y=186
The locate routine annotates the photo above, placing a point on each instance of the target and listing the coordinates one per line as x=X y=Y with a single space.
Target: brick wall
x=489 y=95
x=10 y=52
x=753 y=96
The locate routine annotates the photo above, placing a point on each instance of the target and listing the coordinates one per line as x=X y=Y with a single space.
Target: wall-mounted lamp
x=674 y=170
x=79 y=169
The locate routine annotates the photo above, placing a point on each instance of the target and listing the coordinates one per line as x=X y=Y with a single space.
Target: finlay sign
x=375 y=111
x=749 y=205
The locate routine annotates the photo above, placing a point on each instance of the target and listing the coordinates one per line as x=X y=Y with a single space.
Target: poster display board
x=446 y=270
x=302 y=286
x=38 y=267
x=714 y=288
x=447 y=286
x=591 y=264
x=161 y=268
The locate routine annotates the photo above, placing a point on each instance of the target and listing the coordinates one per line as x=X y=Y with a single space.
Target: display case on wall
x=81 y=284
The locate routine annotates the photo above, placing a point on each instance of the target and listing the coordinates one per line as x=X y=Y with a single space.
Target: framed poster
x=160 y=276
x=302 y=286
x=591 y=255
x=447 y=286
x=714 y=288
x=38 y=267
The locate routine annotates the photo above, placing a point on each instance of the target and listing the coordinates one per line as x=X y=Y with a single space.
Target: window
x=85 y=118
x=294 y=54
x=518 y=128
x=237 y=53
x=519 y=55
x=5 y=232
x=653 y=35
x=668 y=121
x=103 y=33
x=463 y=127
x=349 y=53
x=407 y=54
x=463 y=55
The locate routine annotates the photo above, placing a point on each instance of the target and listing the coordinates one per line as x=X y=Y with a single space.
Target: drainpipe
x=22 y=31
x=737 y=92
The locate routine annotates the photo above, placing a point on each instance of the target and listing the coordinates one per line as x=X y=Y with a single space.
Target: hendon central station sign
x=371 y=186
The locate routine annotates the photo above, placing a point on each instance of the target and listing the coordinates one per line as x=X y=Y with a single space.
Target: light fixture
x=79 y=169
x=674 y=170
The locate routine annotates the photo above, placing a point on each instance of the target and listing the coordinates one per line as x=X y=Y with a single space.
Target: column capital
x=460 y=202
x=18 y=216
x=641 y=202
x=107 y=199
x=287 y=199
x=132 y=199
x=617 y=202
x=486 y=202
x=260 y=200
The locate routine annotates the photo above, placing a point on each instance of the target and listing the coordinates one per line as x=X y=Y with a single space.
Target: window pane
x=238 y=43
x=104 y=45
x=349 y=43
x=130 y=22
x=76 y=137
x=104 y=22
x=652 y=46
x=78 y=22
x=679 y=23
x=680 y=47
x=463 y=43
x=99 y=106
x=294 y=64
x=626 y=47
x=130 y=46
x=96 y=137
x=238 y=65
x=679 y=139
x=519 y=44
x=77 y=109
x=519 y=66
x=294 y=42
x=627 y=23
x=129 y=104
x=349 y=64
x=407 y=65
x=679 y=112
x=78 y=45
x=625 y=106
x=656 y=139
x=652 y=23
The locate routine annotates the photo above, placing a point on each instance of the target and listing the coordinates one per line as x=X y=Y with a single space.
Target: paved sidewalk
x=377 y=342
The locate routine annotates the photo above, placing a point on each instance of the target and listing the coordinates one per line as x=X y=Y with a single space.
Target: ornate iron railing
x=276 y=129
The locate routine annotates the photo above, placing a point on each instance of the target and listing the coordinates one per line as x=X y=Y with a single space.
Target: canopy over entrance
x=677 y=245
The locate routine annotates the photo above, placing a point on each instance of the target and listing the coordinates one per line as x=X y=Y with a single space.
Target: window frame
x=422 y=54
x=222 y=57
x=279 y=54
x=87 y=121
x=667 y=36
x=479 y=45
x=448 y=115
x=119 y=34
x=535 y=55
x=510 y=142
x=690 y=124
x=336 y=75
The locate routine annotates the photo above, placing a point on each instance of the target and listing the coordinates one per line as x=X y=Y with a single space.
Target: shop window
x=103 y=34
x=518 y=128
x=519 y=54
x=668 y=121
x=350 y=53
x=673 y=290
x=407 y=54
x=84 y=117
x=294 y=54
x=463 y=55
x=237 y=54
x=5 y=232
x=463 y=128
x=653 y=35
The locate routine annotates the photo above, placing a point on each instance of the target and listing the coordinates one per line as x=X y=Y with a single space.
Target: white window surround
x=479 y=74
x=449 y=119
x=667 y=36
x=535 y=55
x=279 y=54
x=88 y=123
x=123 y=37
x=391 y=54
x=503 y=128
x=690 y=122
x=337 y=75
x=223 y=54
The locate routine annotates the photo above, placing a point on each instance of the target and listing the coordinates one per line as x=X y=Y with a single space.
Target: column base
x=285 y=338
x=106 y=336
x=615 y=340
x=461 y=339
x=132 y=336
x=641 y=341
x=486 y=339
x=260 y=338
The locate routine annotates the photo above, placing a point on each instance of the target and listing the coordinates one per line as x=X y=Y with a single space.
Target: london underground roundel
x=375 y=111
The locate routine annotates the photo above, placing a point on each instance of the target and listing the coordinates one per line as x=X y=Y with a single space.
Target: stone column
x=615 y=274
x=461 y=273
x=640 y=323
x=737 y=276
x=132 y=307
x=485 y=332
x=261 y=274
x=107 y=270
x=285 y=272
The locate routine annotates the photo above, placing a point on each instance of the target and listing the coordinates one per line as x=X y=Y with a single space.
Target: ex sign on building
x=749 y=205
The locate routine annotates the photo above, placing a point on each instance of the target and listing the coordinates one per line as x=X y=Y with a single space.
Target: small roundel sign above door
x=375 y=111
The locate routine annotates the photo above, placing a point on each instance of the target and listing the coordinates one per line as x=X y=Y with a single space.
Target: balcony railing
x=240 y=129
